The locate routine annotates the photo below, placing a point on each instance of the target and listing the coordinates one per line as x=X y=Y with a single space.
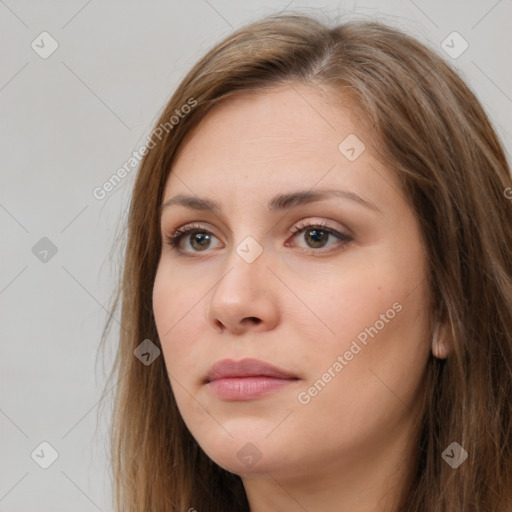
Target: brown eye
x=199 y=240
x=316 y=237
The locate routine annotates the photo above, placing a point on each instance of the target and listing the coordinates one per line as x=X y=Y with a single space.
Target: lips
x=246 y=368
x=246 y=379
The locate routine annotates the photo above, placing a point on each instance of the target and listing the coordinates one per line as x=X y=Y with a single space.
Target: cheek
x=347 y=302
x=372 y=369
x=176 y=297
x=174 y=305
x=375 y=317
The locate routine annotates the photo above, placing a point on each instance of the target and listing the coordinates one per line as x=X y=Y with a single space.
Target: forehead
x=256 y=143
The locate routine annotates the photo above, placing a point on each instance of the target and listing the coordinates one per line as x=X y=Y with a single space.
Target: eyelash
x=174 y=240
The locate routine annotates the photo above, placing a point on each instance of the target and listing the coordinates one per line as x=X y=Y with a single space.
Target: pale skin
x=298 y=305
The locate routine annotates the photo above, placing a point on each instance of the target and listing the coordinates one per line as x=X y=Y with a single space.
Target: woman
x=317 y=290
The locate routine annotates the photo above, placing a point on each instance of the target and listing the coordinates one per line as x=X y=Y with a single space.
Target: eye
x=318 y=234
x=198 y=237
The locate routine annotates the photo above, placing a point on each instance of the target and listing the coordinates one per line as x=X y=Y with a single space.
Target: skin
x=297 y=306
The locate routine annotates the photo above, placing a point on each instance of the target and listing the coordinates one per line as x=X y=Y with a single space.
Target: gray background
x=68 y=122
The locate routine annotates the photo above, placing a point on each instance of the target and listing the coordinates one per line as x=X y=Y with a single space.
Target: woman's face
x=304 y=256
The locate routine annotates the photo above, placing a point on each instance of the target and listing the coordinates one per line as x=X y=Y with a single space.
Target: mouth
x=247 y=379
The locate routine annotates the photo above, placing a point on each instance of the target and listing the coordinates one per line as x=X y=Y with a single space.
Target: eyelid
x=175 y=238
x=304 y=225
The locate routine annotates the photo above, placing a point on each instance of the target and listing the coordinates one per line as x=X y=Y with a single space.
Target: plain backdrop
x=69 y=120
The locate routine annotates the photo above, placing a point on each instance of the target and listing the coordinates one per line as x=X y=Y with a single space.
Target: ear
x=441 y=340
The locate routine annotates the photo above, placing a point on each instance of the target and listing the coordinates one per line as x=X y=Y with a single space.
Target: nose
x=245 y=297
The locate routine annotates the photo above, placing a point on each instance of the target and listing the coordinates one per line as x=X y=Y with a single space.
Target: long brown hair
x=432 y=130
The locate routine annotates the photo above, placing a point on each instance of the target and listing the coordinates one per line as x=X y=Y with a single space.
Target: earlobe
x=440 y=342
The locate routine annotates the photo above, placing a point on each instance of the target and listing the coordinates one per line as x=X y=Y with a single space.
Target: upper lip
x=246 y=368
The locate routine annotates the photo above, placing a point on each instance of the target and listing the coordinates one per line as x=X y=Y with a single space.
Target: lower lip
x=246 y=388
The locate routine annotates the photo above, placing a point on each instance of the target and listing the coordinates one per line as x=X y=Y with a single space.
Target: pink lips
x=246 y=379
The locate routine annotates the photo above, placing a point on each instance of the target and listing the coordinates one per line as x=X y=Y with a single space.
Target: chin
x=243 y=455
x=247 y=461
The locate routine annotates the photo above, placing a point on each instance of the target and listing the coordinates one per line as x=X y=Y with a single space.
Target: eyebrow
x=279 y=202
